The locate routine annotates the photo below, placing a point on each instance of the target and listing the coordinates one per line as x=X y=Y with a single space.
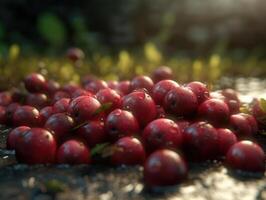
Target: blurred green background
x=200 y=40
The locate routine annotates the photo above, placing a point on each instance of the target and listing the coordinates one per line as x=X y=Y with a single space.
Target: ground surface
x=209 y=181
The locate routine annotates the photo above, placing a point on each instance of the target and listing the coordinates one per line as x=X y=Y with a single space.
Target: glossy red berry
x=252 y=122
x=35 y=83
x=108 y=95
x=73 y=152
x=74 y=54
x=123 y=87
x=180 y=101
x=10 y=110
x=51 y=87
x=3 y=115
x=60 y=125
x=5 y=98
x=246 y=156
x=37 y=100
x=141 y=105
x=81 y=92
x=161 y=134
x=215 y=111
x=45 y=113
x=70 y=88
x=200 y=90
x=95 y=86
x=160 y=112
x=26 y=116
x=83 y=108
x=93 y=133
x=13 y=135
x=59 y=95
x=164 y=168
x=162 y=73
x=36 y=146
x=182 y=124
x=230 y=94
x=240 y=125
x=200 y=141
x=141 y=82
x=61 y=105
x=120 y=123
x=112 y=84
x=161 y=88
x=226 y=138
x=128 y=151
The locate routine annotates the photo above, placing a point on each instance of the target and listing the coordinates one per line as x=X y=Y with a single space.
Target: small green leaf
x=55 y=186
x=263 y=104
x=103 y=108
x=98 y=149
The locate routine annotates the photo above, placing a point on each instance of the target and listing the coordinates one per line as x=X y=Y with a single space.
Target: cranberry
x=13 y=135
x=93 y=133
x=182 y=124
x=226 y=138
x=60 y=124
x=161 y=88
x=162 y=73
x=123 y=87
x=233 y=106
x=26 y=116
x=200 y=90
x=5 y=98
x=141 y=105
x=128 y=151
x=112 y=84
x=200 y=141
x=160 y=112
x=83 y=108
x=52 y=87
x=164 y=167
x=161 y=133
x=75 y=54
x=37 y=100
x=36 y=146
x=246 y=156
x=61 y=105
x=215 y=111
x=252 y=122
x=95 y=86
x=70 y=88
x=60 y=95
x=73 y=152
x=141 y=82
x=81 y=92
x=120 y=123
x=3 y=115
x=109 y=96
x=240 y=125
x=45 y=113
x=230 y=94
x=87 y=79
x=180 y=101
x=10 y=110
x=18 y=95
x=35 y=83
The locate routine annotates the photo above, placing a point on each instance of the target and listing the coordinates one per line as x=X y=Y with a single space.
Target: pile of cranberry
x=150 y=121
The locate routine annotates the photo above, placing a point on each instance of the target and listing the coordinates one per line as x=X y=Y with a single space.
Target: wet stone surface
x=210 y=181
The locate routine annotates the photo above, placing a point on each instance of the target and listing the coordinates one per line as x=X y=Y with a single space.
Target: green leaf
x=263 y=104
x=55 y=186
x=51 y=29
x=98 y=149
x=103 y=108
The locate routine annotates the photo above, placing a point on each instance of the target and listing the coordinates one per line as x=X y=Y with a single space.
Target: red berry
x=95 y=86
x=141 y=105
x=45 y=113
x=240 y=125
x=141 y=82
x=215 y=111
x=37 y=100
x=128 y=151
x=162 y=73
x=226 y=138
x=13 y=135
x=93 y=133
x=160 y=112
x=180 y=101
x=182 y=124
x=81 y=92
x=60 y=95
x=164 y=167
x=123 y=87
x=61 y=105
x=246 y=156
x=60 y=125
x=200 y=90
x=112 y=84
x=120 y=123
x=3 y=115
x=200 y=141
x=109 y=96
x=75 y=54
x=252 y=122
x=73 y=152
x=70 y=88
x=36 y=146
x=161 y=88
x=26 y=116
x=230 y=94
x=35 y=83
x=51 y=87
x=10 y=110
x=5 y=98
x=83 y=108
x=161 y=133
